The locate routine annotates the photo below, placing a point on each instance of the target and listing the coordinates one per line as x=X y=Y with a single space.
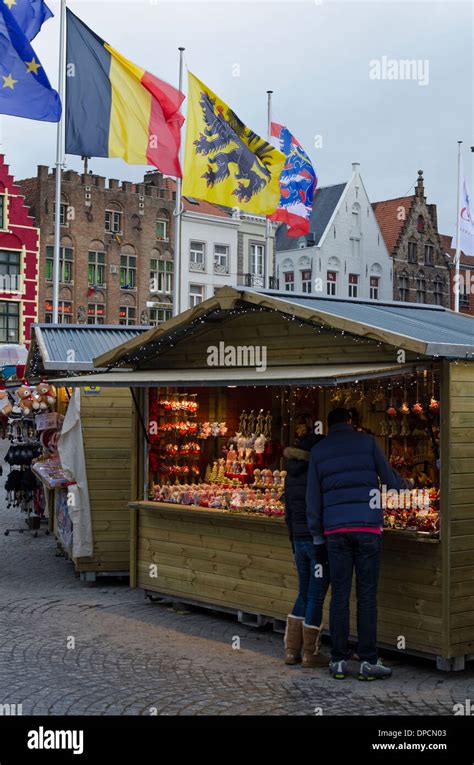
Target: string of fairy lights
x=143 y=352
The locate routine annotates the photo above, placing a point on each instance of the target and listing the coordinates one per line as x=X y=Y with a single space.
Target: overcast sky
x=316 y=57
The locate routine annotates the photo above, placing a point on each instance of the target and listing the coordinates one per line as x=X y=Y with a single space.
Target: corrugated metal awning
x=72 y=347
x=324 y=374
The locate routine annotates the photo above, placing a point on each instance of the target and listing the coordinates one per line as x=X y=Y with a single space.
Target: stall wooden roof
x=431 y=331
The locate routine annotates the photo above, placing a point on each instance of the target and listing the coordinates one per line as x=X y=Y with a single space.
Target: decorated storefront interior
x=224 y=387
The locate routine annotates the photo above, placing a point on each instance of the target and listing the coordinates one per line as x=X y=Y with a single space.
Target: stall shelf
x=229 y=560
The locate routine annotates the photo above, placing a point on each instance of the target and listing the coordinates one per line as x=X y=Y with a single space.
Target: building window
x=197 y=255
x=66 y=258
x=113 y=221
x=429 y=250
x=127 y=315
x=95 y=313
x=2 y=212
x=420 y=289
x=403 y=287
x=356 y=216
x=10 y=271
x=374 y=287
x=331 y=282
x=161 y=275
x=128 y=272
x=162 y=230
x=257 y=256
x=9 y=322
x=62 y=213
x=463 y=291
x=420 y=224
x=289 y=281
x=196 y=294
x=412 y=252
x=353 y=285
x=96 y=268
x=160 y=313
x=64 y=311
x=221 y=259
x=306 y=281
x=438 y=292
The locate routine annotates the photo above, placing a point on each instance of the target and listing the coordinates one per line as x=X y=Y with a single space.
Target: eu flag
x=24 y=87
x=30 y=15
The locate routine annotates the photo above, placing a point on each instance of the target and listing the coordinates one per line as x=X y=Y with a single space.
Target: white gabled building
x=344 y=255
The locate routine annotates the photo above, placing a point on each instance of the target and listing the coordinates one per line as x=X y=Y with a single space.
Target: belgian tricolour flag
x=114 y=108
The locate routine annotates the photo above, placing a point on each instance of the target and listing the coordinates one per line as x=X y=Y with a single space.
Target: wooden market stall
x=107 y=426
x=409 y=371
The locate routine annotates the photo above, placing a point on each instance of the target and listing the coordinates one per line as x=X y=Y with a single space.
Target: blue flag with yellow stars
x=24 y=87
x=30 y=15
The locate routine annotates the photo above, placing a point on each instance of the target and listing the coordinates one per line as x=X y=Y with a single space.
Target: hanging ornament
x=391 y=411
x=434 y=405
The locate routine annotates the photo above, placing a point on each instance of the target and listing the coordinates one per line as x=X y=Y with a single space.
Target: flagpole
x=457 y=257
x=266 y=277
x=59 y=162
x=177 y=213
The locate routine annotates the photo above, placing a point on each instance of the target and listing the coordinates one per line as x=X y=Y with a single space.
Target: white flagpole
x=266 y=271
x=59 y=161
x=457 y=257
x=177 y=214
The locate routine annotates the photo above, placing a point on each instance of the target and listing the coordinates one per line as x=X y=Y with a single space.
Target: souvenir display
x=206 y=463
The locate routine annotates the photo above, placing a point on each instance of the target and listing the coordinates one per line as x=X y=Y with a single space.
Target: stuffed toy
x=45 y=397
x=25 y=398
x=5 y=406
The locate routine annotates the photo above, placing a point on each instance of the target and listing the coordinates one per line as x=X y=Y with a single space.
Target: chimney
x=127 y=187
x=355 y=167
x=43 y=171
x=99 y=181
x=113 y=183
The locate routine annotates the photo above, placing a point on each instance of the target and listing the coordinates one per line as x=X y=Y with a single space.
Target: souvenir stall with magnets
x=206 y=526
x=88 y=476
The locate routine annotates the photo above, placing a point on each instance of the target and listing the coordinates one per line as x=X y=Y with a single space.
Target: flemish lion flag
x=225 y=162
x=114 y=108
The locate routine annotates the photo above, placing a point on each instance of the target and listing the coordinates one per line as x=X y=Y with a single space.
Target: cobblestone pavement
x=133 y=657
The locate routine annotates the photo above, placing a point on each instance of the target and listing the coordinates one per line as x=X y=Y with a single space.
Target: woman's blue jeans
x=313 y=583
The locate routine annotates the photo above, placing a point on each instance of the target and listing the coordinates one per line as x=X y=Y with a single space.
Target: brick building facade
x=19 y=256
x=117 y=242
x=466 y=277
x=410 y=229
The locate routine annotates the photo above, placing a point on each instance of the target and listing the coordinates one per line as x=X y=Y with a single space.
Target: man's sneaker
x=338 y=669
x=377 y=671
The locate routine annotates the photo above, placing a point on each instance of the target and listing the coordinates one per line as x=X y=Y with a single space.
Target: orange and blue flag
x=298 y=182
x=114 y=108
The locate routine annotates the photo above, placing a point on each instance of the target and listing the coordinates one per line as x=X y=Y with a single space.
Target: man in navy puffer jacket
x=345 y=518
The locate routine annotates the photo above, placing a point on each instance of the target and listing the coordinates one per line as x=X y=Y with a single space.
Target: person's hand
x=321 y=553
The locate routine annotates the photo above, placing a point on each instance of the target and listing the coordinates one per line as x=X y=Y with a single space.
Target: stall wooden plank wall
x=287 y=342
x=459 y=541
x=246 y=564
x=107 y=432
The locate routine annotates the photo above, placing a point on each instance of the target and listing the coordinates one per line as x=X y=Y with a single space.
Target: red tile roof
x=390 y=219
x=446 y=245
x=205 y=208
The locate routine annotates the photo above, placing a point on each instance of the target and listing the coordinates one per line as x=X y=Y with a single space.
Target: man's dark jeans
x=349 y=551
